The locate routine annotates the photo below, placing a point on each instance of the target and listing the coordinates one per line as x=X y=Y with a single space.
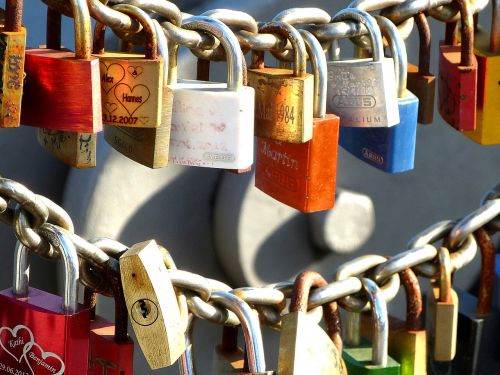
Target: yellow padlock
x=487 y=51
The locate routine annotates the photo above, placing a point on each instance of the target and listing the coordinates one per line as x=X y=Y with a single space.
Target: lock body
x=61 y=92
x=131 y=90
x=212 y=126
x=362 y=92
x=301 y=175
x=477 y=338
x=457 y=95
x=283 y=104
x=424 y=88
x=358 y=361
x=408 y=348
x=75 y=149
x=106 y=355
x=488 y=95
x=147 y=146
x=441 y=323
x=12 y=51
x=390 y=149
x=37 y=337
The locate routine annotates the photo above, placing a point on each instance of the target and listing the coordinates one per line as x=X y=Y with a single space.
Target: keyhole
x=144 y=309
x=144 y=312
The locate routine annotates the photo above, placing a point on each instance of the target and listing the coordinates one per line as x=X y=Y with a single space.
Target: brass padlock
x=12 y=52
x=283 y=98
x=147 y=146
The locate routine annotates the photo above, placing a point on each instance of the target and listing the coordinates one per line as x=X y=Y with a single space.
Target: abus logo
x=354 y=101
x=369 y=154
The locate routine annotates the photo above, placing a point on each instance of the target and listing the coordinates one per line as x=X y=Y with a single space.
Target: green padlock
x=366 y=360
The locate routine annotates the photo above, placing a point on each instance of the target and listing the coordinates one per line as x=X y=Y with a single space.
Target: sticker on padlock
x=420 y=81
x=131 y=84
x=152 y=304
x=303 y=175
x=305 y=348
x=486 y=50
x=73 y=148
x=12 y=54
x=375 y=359
x=442 y=313
x=457 y=86
x=363 y=91
x=390 y=149
x=212 y=123
x=478 y=321
x=62 y=89
x=283 y=98
x=147 y=146
x=31 y=319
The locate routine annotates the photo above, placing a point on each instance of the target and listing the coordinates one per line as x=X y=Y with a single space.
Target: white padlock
x=213 y=123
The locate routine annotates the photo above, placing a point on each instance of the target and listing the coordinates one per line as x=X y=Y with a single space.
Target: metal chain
x=100 y=256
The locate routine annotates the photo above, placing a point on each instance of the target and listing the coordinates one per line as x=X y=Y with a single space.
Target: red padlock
x=457 y=87
x=111 y=349
x=62 y=89
x=303 y=175
x=41 y=333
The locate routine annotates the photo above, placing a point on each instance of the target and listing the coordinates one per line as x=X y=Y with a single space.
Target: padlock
x=390 y=149
x=62 y=89
x=228 y=356
x=283 y=98
x=147 y=146
x=478 y=321
x=254 y=347
x=487 y=53
x=303 y=175
x=457 y=86
x=152 y=304
x=375 y=359
x=41 y=332
x=186 y=361
x=420 y=81
x=12 y=50
x=442 y=313
x=212 y=123
x=363 y=91
x=131 y=84
x=73 y=148
x=305 y=348
x=111 y=349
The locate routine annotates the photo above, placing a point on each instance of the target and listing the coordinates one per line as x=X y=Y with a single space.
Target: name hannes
x=131 y=98
x=354 y=101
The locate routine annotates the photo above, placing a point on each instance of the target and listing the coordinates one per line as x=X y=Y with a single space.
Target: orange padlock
x=302 y=175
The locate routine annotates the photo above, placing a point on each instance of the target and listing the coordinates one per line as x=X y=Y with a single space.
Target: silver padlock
x=363 y=91
x=213 y=123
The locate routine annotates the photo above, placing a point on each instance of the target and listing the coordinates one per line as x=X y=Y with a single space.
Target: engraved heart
x=111 y=75
x=135 y=71
x=17 y=341
x=41 y=362
x=131 y=98
x=110 y=107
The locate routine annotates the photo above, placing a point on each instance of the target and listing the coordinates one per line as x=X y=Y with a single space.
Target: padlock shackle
x=445 y=271
x=228 y=41
x=424 y=47
x=320 y=72
x=162 y=48
x=83 y=32
x=370 y=24
x=495 y=27
x=467 y=40
x=414 y=305
x=378 y=306
x=487 y=274
x=293 y=36
x=398 y=53
x=53 y=29
x=151 y=46
x=64 y=246
x=13 y=15
x=250 y=326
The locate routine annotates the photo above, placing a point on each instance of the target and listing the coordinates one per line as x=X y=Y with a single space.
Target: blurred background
x=219 y=225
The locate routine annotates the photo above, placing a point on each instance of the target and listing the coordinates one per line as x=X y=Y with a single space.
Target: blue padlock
x=391 y=149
